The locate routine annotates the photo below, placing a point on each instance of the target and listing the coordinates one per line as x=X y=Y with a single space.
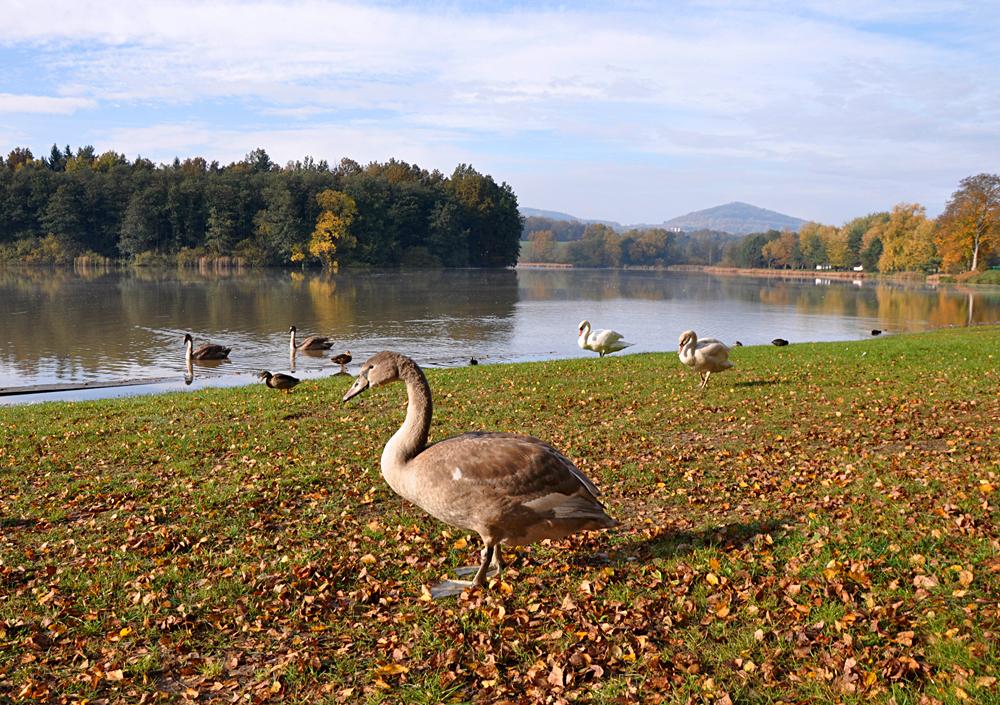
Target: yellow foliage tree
x=969 y=228
x=333 y=227
x=907 y=239
x=783 y=251
x=838 y=251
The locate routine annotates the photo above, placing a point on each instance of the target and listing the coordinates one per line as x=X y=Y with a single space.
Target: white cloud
x=880 y=93
x=15 y=103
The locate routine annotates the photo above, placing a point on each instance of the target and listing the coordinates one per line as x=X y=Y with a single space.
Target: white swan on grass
x=706 y=356
x=602 y=342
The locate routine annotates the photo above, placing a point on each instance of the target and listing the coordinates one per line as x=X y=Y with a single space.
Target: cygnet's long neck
x=188 y=346
x=411 y=438
x=687 y=350
x=291 y=341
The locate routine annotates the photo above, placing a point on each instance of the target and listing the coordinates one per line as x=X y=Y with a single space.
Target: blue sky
x=632 y=111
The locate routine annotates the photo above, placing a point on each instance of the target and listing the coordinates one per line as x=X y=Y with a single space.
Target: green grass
x=818 y=526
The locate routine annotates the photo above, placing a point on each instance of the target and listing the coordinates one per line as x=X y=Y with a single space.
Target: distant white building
x=859 y=268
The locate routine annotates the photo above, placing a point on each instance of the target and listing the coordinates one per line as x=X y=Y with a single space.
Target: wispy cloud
x=15 y=103
x=721 y=94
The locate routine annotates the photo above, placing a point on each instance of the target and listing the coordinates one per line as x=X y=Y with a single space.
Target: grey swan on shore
x=510 y=489
x=209 y=351
x=278 y=380
x=706 y=356
x=313 y=342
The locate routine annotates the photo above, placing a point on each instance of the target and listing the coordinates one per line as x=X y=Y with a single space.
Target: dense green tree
x=64 y=213
x=253 y=208
x=855 y=230
x=221 y=233
x=748 y=252
x=278 y=230
x=447 y=235
x=145 y=225
x=56 y=160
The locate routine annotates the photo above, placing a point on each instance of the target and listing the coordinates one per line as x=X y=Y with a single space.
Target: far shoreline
x=937 y=279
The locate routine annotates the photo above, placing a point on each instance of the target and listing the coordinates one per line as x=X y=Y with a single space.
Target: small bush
x=990 y=276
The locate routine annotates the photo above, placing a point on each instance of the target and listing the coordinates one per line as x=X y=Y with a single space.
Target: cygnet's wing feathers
x=316 y=342
x=513 y=465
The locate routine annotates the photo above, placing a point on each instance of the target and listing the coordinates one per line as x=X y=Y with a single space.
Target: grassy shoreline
x=819 y=525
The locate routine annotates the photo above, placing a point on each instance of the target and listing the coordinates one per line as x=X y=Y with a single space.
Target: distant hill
x=557 y=215
x=736 y=218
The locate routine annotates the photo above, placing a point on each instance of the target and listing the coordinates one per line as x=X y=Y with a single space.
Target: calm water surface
x=92 y=328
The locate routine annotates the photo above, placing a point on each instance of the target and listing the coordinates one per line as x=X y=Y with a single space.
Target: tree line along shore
x=102 y=208
x=963 y=239
x=105 y=207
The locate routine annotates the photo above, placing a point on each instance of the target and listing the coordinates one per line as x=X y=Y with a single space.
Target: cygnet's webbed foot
x=491 y=565
x=451 y=588
x=465 y=570
x=495 y=564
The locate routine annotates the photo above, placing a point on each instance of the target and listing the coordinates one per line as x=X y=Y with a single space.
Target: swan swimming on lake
x=205 y=352
x=313 y=342
x=510 y=489
x=602 y=342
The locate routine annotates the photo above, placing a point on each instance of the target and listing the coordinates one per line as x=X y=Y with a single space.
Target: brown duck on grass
x=510 y=489
x=205 y=352
x=278 y=380
x=313 y=342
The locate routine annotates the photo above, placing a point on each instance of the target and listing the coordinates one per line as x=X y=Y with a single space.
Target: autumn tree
x=18 y=157
x=543 y=245
x=812 y=244
x=783 y=251
x=906 y=239
x=332 y=227
x=969 y=228
x=838 y=250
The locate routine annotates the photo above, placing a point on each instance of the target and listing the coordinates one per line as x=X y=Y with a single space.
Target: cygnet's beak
x=360 y=385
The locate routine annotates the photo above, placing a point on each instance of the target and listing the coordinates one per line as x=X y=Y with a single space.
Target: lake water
x=61 y=327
